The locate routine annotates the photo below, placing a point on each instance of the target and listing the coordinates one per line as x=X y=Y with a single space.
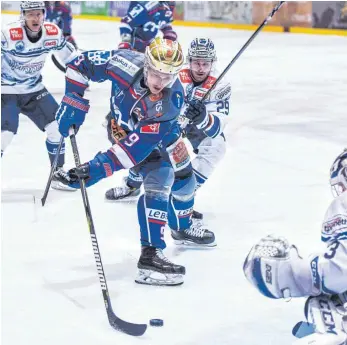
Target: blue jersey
x=150 y=120
x=60 y=14
x=144 y=19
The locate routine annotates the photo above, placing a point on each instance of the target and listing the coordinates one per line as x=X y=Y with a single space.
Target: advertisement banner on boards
x=292 y=13
x=118 y=8
x=329 y=14
x=95 y=7
x=218 y=11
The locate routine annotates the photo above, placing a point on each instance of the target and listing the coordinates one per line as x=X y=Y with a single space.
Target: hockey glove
x=197 y=114
x=169 y=33
x=100 y=167
x=71 y=112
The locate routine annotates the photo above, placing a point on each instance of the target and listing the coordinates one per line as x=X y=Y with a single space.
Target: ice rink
x=288 y=123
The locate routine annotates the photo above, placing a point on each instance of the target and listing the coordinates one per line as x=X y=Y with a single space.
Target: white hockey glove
x=275 y=268
x=328 y=316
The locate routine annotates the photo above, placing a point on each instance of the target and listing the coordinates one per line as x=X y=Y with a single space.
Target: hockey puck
x=156 y=322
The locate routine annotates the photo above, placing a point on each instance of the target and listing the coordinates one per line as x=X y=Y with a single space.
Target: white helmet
x=202 y=48
x=338 y=174
x=31 y=5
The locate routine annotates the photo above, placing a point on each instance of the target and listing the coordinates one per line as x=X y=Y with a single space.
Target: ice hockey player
x=59 y=13
x=205 y=133
x=143 y=21
x=24 y=48
x=275 y=268
x=146 y=100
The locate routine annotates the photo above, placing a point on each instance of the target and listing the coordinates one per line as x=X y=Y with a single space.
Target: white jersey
x=332 y=265
x=217 y=103
x=22 y=60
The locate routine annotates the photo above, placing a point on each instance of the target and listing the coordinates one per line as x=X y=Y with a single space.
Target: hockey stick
x=53 y=167
x=117 y=323
x=58 y=64
x=267 y=19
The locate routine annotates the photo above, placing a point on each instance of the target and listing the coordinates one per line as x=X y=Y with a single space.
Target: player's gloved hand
x=100 y=167
x=71 y=112
x=169 y=33
x=197 y=114
x=124 y=45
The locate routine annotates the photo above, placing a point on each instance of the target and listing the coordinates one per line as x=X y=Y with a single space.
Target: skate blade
x=195 y=245
x=126 y=200
x=62 y=187
x=149 y=277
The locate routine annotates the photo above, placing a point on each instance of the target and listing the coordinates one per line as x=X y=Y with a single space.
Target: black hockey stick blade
x=129 y=328
x=58 y=64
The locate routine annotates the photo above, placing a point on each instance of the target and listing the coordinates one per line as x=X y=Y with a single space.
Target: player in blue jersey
x=143 y=21
x=146 y=100
x=25 y=45
x=59 y=13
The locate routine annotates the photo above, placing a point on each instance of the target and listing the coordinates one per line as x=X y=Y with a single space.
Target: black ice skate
x=60 y=180
x=196 y=235
x=197 y=215
x=123 y=193
x=156 y=269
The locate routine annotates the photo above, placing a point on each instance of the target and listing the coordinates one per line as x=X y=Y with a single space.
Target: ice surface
x=288 y=123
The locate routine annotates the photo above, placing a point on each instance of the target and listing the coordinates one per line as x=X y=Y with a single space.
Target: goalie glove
x=276 y=269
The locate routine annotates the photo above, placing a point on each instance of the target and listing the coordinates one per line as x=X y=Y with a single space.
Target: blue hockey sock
x=52 y=150
x=179 y=213
x=152 y=214
x=134 y=180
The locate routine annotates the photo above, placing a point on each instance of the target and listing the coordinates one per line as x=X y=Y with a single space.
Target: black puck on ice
x=156 y=322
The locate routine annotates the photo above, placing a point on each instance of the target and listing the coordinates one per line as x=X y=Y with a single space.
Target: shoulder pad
x=126 y=63
x=208 y=82
x=51 y=29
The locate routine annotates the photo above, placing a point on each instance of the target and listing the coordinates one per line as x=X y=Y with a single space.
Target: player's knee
x=6 y=138
x=52 y=131
x=184 y=189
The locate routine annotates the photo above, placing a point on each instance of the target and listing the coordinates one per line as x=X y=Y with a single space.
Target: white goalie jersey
x=23 y=61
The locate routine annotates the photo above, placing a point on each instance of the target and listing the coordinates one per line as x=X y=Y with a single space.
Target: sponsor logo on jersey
x=28 y=68
x=19 y=46
x=51 y=29
x=177 y=99
x=185 y=76
x=199 y=93
x=16 y=34
x=124 y=65
x=180 y=154
x=338 y=223
x=209 y=82
x=153 y=128
x=50 y=43
x=153 y=98
x=223 y=92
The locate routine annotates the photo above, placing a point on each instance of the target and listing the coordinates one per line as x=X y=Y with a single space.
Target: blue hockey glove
x=197 y=114
x=103 y=165
x=72 y=111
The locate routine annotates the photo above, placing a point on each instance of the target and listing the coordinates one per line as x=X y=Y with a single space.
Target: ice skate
x=156 y=269
x=60 y=180
x=196 y=235
x=123 y=193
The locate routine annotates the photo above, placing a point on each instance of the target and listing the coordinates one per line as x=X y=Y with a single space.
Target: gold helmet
x=164 y=56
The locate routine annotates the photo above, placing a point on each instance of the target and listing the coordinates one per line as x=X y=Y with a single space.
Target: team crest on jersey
x=153 y=128
x=19 y=46
x=16 y=34
x=51 y=29
x=50 y=43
